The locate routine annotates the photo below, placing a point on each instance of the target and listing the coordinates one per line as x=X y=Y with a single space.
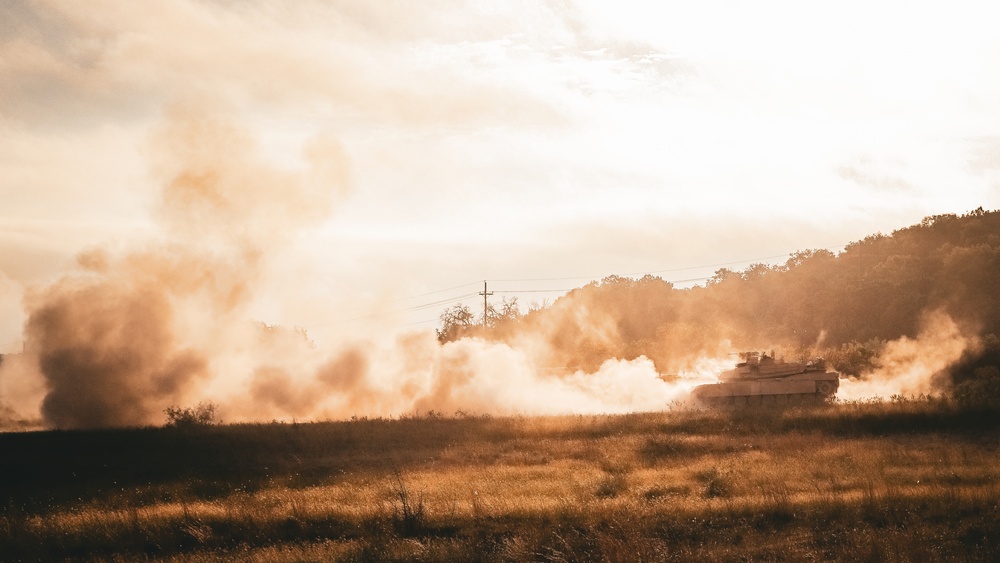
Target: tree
x=501 y=320
x=507 y=312
x=456 y=321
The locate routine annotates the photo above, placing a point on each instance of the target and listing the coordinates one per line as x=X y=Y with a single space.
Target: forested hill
x=876 y=290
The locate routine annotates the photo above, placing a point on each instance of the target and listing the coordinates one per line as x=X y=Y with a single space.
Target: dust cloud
x=125 y=335
x=169 y=322
x=414 y=373
x=909 y=367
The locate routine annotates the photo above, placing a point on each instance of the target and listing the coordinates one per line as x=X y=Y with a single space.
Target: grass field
x=879 y=481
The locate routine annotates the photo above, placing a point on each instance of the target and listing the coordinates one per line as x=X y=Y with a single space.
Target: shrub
x=203 y=414
x=980 y=392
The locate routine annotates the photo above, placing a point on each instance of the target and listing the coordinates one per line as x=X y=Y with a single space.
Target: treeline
x=844 y=306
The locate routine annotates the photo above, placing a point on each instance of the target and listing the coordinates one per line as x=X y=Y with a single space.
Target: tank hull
x=799 y=387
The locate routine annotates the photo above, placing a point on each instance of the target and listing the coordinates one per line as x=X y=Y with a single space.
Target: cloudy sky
x=537 y=144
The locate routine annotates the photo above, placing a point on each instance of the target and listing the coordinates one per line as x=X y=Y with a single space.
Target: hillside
x=845 y=306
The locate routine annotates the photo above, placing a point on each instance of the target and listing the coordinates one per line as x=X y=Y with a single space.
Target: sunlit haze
x=353 y=168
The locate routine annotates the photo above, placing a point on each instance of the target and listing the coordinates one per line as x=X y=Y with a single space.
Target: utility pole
x=485 y=294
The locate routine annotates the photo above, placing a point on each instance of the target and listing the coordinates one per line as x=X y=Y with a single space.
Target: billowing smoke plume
x=414 y=373
x=128 y=334
x=909 y=367
x=170 y=322
x=125 y=336
x=107 y=351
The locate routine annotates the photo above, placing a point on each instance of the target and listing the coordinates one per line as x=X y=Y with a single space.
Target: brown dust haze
x=130 y=332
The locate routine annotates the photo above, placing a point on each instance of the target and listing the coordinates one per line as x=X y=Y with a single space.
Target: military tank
x=760 y=378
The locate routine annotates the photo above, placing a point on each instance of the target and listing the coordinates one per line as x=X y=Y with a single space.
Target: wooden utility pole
x=485 y=294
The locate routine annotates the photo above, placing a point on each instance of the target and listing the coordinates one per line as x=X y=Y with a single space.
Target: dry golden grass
x=830 y=483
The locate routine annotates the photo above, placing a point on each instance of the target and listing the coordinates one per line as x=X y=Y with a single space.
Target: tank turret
x=760 y=378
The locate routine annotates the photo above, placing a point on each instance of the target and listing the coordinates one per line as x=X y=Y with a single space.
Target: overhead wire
x=385 y=313
x=450 y=300
x=434 y=292
x=563 y=290
x=662 y=271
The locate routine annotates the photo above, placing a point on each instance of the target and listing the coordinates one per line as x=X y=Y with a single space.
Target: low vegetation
x=901 y=480
x=202 y=414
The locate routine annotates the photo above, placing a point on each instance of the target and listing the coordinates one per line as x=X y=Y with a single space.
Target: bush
x=980 y=392
x=203 y=414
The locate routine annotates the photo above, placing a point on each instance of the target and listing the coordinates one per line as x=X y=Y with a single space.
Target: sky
x=536 y=144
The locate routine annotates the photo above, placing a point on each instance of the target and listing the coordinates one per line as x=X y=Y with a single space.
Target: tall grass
x=905 y=480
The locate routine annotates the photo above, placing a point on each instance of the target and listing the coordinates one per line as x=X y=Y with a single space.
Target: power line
x=428 y=305
x=658 y=271
x=394 y=312
x=485 y=293
x=703 y=278
x=530 y=290
x=434 y=292
x=421 y=322
x=688 y=280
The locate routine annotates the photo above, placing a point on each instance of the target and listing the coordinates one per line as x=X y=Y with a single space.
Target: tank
x=759 y=378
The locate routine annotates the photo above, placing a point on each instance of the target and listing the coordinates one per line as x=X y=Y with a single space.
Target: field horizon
x=898 y=480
